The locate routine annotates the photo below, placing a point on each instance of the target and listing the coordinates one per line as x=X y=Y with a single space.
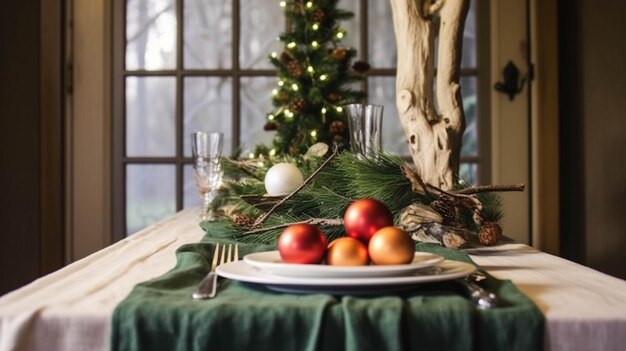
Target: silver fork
x=207 y=287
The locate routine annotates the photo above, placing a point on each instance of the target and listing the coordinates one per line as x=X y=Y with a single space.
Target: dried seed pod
x=417 y=213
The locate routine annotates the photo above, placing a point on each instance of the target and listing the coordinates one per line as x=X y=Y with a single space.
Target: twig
x=306 y=181
x=313 y=221
x=495 y=188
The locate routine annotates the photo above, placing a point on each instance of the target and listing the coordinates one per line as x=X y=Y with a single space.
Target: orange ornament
x=391 y=245
x=347 y=251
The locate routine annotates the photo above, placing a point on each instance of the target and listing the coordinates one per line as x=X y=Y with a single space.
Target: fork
x=207 y=287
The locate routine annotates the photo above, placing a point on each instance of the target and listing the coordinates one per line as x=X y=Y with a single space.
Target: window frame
x=119 y=74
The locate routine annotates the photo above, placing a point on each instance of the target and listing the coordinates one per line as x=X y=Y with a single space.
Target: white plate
x=242 y=271
x=271 y=262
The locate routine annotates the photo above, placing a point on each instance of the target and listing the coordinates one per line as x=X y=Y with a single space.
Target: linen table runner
x=160 y=315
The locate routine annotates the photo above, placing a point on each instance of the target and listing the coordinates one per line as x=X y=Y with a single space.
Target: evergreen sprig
x=346 y=178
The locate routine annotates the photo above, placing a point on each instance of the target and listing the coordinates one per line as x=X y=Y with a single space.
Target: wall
x=593 y=134
x=19 y=143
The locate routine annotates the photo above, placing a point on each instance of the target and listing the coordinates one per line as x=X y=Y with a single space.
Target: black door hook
x=510 y=86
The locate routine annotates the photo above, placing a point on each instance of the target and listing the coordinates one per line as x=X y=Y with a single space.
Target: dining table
x=78 y=306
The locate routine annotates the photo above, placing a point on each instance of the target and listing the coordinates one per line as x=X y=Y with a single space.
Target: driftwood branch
x=433 y=131
x=464 y=198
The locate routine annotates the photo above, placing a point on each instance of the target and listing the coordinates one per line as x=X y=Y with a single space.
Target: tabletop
x=72 y=308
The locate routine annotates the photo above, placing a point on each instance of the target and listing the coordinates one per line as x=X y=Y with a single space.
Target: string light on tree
x=314 y=74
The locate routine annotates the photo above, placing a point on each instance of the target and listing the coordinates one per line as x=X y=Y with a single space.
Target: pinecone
x=337 y=128
x=318 y=15
x=339 y=54
x=361 y=66
x=285 y=57
x=297 y=105
x=298 y=9
x=489 y=234
x=243 y=221
x=445 y=207
x=294 y=68
x=282 y=97
x=337 y=139
x=269 y=126
x=333 y=97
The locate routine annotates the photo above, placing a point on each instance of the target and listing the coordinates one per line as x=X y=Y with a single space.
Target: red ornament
x=302 y=243
x=364 y=217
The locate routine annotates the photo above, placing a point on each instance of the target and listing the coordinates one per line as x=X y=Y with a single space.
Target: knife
x=481 y=297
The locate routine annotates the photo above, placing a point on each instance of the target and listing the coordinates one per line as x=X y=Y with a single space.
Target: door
x=510 y=124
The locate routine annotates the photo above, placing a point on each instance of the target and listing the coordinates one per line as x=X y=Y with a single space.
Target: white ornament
x=282 y=179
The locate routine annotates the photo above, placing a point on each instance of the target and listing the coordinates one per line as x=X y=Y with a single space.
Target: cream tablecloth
x=71 y=309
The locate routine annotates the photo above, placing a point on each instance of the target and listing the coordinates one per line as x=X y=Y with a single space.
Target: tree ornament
x=285 y=57
x=298 y=9
x=282 y=97
x=302 y=243
x=364 y=217
x=294 y=68
x=339 y=54
x=391 y=245
x=347 y=251
x=270 y=126
x=318 y=15
x=489 y=233
x=297 y=105
x=295 y=143
x=337 y=127
x=282 y=178
x=361 y=67
x=333 y=97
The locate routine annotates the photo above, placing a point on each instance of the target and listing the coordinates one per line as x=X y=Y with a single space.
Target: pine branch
x=306 y=181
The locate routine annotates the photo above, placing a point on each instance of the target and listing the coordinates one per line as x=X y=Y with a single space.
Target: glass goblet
x=206 y=152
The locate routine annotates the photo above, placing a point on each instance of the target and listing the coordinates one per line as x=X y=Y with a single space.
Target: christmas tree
x=315 y=78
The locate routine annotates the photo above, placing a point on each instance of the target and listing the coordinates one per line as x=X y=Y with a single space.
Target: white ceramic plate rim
x=270 y=262
x=242 y=271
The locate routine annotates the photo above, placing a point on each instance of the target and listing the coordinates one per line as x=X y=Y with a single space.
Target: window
x=187 y=65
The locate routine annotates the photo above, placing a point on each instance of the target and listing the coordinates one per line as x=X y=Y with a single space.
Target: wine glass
x=206 y=152
x=365 y=125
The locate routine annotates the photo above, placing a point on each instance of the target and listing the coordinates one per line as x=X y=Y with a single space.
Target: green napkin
x=160 y=315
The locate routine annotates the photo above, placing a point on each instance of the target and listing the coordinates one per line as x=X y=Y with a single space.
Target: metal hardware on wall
x=510 y=85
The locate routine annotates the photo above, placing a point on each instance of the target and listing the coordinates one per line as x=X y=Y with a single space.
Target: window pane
x=150 y=111
x=255 y=103
x=470 y=138
x=381 y=39
x=382 y=91
x=150 y=195
x=150 y=34
x=191 y=196
x=208 y=34
x=353 y=35
x=208 y=107
x=468 y=172
x=261 y=23
x=469 y=39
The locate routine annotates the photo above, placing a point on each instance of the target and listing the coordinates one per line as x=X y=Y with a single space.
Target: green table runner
x=160 y=315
